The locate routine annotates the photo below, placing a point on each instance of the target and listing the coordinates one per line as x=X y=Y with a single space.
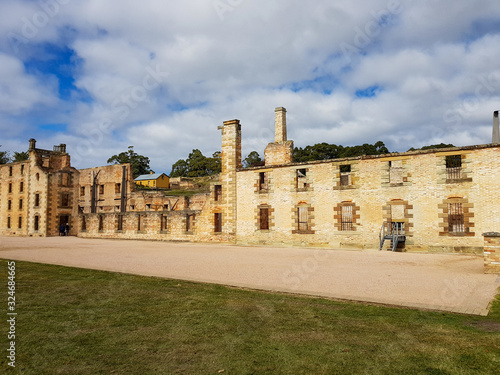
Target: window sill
x=303 y=231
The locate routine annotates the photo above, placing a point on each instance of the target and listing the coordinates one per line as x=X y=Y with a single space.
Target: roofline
x=368 y=157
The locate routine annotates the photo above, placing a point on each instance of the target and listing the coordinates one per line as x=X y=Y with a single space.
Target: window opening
x=454 y=167
x=303 y=214
x=345 y=175
x=217 y=222
x=346 y=218
x=456 y=222
x=301 y=179
x=264 y=219
x=218 y=193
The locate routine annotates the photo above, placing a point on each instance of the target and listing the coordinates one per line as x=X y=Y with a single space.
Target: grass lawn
x=75 y=321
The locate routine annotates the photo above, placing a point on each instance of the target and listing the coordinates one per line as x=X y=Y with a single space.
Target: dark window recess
x=264 y=219
x=20 y=204
x=263 y=185
x=36 y=224
x=101 y=189
x=346 y=218
x=217 y=222
x=65 y=179
x=164 y=223
x=218 y=193
x=454 y=167
x=20 y=223
x=37 y=200
x=101 y=222
x=22 y=169
x=303 y=214
x=140 y=223
x=84 y=224
x=65 y=200
x=456 y=222
x=190 y=222
x=9 y=205
x=301 y=179
x=10 y=188
x=8 y=223
x=10 y=171
x=345 y=175
x=82 y=191
x=119 y=224
x=118 y=188
x=21 y=186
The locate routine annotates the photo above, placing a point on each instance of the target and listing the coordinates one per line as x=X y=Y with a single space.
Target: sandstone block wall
x=492 y=252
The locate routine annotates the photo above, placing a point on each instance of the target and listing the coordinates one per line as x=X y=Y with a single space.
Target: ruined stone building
x=438 y=200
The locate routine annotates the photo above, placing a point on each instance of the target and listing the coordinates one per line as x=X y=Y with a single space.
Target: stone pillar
x=32 y=144
x=280 y=125
x=496 y=128
x=231 y=161
x=491 y=252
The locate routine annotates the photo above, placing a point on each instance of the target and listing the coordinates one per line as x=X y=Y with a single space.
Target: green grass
x=75 y=321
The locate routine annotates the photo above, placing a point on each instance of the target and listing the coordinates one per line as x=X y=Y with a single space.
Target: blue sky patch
x=368 y=92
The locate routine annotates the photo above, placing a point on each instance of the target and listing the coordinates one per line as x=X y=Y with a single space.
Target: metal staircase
x=392 y=231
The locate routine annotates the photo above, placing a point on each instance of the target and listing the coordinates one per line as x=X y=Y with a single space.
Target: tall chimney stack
x=496 y=129
x=280 y=125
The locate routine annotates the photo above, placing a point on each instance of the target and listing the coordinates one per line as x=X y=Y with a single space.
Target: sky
x=162 y=75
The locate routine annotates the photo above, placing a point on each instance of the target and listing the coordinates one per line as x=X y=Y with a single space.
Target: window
x=264 y=218
x=10 y=171
x=454 y=167
x=301 y=179
x=22 y=169
x=217 y=222
x=36 y=223
x=218 y=193
x=263 y=181
x=101 y=223
x=65 y=179
x=456 y=223
x=9 y=204
x=10 y=187
x=119 y=223
x=396 y=172
x=117 y=188
x=303 y=215
x=65 y=200
x=190 y=222
x=148 y=206
x=21 y=187
x=20 y=223
x=37 y=200
x=8 y=223
x=101 y=189
x=345 y=175
x=132 y=207
x=20 y=204
x=38 y=176
x=83 y=226
x=346 y=219
x=164 y=223
x=82 y=191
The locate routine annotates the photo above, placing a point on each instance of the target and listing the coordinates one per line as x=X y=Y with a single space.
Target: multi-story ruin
x=438 y=200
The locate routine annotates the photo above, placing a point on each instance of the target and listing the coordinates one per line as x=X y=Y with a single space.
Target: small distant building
x=153 y=180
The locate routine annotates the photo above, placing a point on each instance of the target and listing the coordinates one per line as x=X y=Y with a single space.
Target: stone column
x=280 y=125
x=491 y=252
x=496 y=128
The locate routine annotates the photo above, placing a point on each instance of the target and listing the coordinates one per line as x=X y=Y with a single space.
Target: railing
x=391 y=231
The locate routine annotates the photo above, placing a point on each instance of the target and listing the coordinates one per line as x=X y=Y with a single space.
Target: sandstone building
x=438 y=200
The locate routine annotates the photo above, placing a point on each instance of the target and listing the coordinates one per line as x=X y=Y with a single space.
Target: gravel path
x=445 y=282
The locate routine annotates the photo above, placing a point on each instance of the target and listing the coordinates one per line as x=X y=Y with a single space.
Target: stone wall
x=492 y=252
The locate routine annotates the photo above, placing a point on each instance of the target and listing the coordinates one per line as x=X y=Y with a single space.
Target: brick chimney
x=280 y=125
x=496 y=130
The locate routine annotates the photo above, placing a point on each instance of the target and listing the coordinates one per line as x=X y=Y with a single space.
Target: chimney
x=32 y=144
x=496 y=130
x=280 y=125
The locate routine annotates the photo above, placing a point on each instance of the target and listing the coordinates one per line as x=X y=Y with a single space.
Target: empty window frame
x=101 y=223
x=346 y=218
x=303 y=218
x=119 y=223
x=345 y=175
x=190 y=222
x=164 y=223
x=301 y=178
x=22 y=169
x=140 y=223
x=36 y=223
x=10 y=171
x=264 y=218
x=20 y=204
x=217 y=222
x=263 y=181
x=218 y=193
x=456 y=222
x=82 y=191
x=101 y=189
x=20 y=222
x=37 y=200
x=21 y=187
x=454 y=167
x=10 y=187
x=8 y=222
x=118 y=188
x=64 y=199
x=9 y=204
x=83 y=226
x=396 y=171
x=65 y=179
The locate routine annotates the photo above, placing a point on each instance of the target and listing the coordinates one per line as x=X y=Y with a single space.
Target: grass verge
x=76 y=321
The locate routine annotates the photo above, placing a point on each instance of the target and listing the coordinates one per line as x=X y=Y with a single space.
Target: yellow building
x=153 y=180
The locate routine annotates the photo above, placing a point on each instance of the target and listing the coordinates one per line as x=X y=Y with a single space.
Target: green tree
x=197 y=165
x=4 y=157
x=430 y=147
x=21 y=156
x=325 y=151
x=139 y=163
x=253 y=160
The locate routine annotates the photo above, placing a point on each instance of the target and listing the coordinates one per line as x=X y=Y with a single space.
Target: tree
x=430 y=147
x=139 y=163
x=197 y=165
x=253 y=160
x=325 y=151
x=4 y=157
x=20 y=156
